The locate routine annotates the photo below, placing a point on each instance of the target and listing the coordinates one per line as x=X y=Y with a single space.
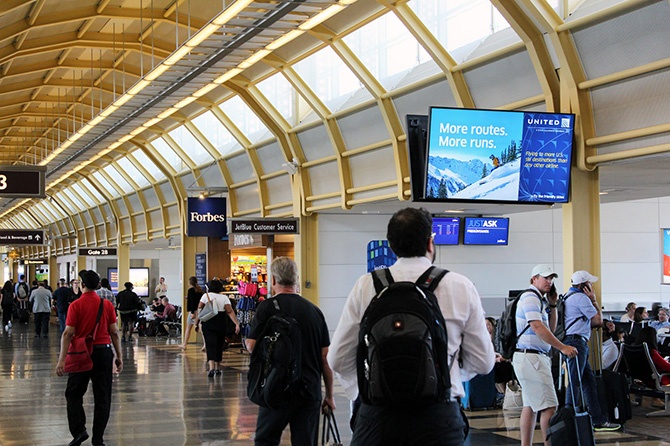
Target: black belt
x=530 y=350
x=102 y=346
x=576 y=336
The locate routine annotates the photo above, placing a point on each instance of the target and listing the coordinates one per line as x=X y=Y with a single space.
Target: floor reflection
x=163 y=397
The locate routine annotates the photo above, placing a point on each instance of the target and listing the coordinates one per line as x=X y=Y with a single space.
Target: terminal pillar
x=123 y=264
x=307 y=257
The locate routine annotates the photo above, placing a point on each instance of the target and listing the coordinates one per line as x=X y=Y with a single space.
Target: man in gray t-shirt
x=40 y=298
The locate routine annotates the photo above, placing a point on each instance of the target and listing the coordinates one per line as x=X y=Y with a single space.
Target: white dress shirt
x=463 y=313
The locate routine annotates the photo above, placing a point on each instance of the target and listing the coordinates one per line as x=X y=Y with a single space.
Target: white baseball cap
x=582 y=276
x=544 y=271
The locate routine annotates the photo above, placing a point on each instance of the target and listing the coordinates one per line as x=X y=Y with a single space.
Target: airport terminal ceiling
x=291 y=108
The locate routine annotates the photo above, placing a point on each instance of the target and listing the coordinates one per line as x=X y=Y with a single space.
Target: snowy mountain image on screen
x=501 y=184
x=455 y=174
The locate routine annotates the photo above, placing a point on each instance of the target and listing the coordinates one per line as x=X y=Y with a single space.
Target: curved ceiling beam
x=537 y=48
x=69 y=41
x=87 y=13
x=456 y=79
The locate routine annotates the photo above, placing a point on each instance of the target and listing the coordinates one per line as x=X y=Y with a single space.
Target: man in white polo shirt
x=535 y=323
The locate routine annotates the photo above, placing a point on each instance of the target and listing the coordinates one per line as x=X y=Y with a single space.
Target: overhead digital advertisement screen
x=498 y=156
x=485 y=231
x=446 y=230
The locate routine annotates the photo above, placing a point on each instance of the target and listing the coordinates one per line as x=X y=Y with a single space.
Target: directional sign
x=22 y=236
x=22 y=181
x=97 y=252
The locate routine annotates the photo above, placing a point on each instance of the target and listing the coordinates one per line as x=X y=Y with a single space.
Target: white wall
x=631 y=251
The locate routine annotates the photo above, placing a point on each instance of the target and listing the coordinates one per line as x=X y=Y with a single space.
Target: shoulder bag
x=210 y=309
x=78 y=358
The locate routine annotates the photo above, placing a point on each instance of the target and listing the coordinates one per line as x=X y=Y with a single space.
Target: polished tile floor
x=163 y=397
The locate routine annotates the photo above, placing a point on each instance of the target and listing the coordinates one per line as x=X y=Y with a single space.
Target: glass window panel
x=170 y=155
x=68 y=201
x=327 y=75
x=105 y=184
x=386 y=47
x=144 y=161
x=281 y=95
x=113 y=172
x=132 y=171
x=216 y=133
x=190 y=145
x=244 y=119
x=83 y=193
x=87 y=186
x=53 y=210
x=457 y=23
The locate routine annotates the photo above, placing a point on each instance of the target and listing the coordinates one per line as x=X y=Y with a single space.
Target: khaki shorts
x=537 y=384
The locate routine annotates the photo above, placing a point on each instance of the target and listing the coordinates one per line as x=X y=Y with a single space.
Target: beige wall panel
x=172 y=216
x=363 y=128
x=151 y=197
x=503 y=81
x=315 y=143
x=324 y=178
x=372 y=167
x=279 y=190
x=271 y=158
x=166 y=190
x=417 y=102
x=247 y=198
x=240 y=168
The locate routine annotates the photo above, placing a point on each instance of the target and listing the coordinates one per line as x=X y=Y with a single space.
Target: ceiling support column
x=306 y=248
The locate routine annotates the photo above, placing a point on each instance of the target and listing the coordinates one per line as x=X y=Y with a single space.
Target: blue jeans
x=61 y=321
x=589 y=387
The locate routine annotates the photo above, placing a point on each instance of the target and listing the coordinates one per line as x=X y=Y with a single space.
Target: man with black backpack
x=288 y=342
x=407 y=339
x=582 y=312
x=535 y=322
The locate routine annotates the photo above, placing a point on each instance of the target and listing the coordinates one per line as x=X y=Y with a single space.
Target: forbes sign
x=206 y=217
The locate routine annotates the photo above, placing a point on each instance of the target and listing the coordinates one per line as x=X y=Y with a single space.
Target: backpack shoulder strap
x=381 y=278
x=574 y=321
x=431 y=278
x=539 y=296
x=275 y=302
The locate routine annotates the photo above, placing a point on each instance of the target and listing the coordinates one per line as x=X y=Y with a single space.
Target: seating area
x=635 y=361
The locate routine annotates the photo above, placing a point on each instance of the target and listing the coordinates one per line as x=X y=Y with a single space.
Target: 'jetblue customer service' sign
x=278 y=226
x=206 y=217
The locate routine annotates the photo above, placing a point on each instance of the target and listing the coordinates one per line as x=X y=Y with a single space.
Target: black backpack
x=561 y=330
x=275 y=368
x=402 y=354
x=507 y=336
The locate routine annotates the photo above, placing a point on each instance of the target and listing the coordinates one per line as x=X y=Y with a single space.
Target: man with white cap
x=535 y=323
x=582 y=312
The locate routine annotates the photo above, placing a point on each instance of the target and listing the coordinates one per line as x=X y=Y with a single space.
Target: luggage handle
x=579 y=379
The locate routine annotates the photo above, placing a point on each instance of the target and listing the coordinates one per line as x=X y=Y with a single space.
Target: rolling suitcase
x=613 y=390
x=571 y=425
x=480 y=393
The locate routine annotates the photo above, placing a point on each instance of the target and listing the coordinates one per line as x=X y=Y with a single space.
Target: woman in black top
x=192 y=300
x=7 y=304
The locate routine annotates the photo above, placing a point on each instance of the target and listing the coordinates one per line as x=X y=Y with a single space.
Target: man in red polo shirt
x=81 y=318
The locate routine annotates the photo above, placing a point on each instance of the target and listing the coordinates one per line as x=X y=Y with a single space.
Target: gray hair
x=284 y=271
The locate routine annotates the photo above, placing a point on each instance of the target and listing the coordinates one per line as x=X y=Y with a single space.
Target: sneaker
x=217 y=372
x=9 y=324
x=607 y=427
x=211 y=373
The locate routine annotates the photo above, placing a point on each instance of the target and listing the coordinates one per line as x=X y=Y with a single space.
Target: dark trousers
x=589 y=386
x=7 y=314
x=438 y=424
x=42 y=323
x=303 y=417
x=77 y=383
x=215 y=341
